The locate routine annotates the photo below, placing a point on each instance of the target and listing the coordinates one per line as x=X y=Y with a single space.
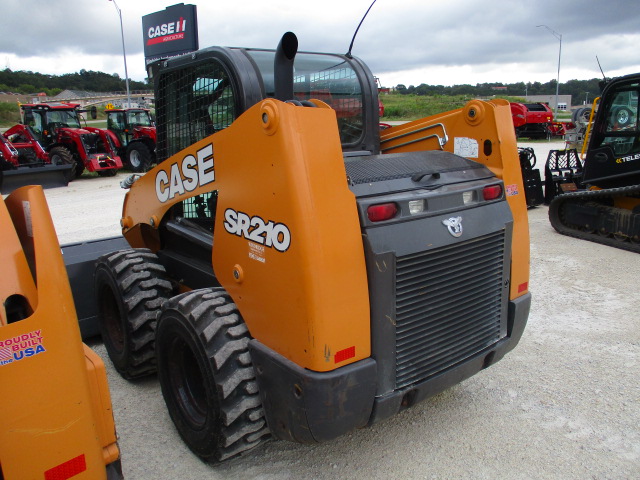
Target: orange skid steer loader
x=55 y=410
x=294 y=271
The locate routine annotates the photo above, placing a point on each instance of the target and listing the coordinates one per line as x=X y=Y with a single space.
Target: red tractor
x=51 y=133
x=535 y=120
x=134 y=134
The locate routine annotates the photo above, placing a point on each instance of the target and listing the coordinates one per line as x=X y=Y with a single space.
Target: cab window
x=199 y=102
x=621 y=130
x=324 y=77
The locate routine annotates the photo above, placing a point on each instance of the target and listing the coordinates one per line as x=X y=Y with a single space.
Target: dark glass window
x=325 y=77
x=198 y=101
x=621 y=130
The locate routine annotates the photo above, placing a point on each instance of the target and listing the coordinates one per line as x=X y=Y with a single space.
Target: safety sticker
x=256 y=252
x=465 y=147
x=512 y=190
x=18 y=348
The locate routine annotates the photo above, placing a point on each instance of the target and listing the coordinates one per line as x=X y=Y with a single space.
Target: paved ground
x=565 y=404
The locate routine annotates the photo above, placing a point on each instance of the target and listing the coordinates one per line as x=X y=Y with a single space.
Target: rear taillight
x=492 y=192
x=381 y=212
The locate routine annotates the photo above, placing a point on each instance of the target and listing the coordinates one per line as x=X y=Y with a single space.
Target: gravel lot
x=565 y=404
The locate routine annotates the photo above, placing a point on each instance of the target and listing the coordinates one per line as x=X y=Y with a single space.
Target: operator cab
x=44 y=120
x=614 y=148
x=206 y=94
x=122 y=122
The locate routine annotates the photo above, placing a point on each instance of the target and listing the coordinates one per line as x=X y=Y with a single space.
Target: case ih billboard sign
x=170 y=32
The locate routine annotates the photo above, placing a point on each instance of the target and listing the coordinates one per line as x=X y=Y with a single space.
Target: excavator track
x=590 y=215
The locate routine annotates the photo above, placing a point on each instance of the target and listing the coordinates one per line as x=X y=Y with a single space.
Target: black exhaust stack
x=283 y=66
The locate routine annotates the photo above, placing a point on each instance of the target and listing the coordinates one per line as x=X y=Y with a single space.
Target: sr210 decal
x=269 y=234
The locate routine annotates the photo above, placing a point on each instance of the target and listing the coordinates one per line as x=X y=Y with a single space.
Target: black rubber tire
x=79 y=170
x=207 y=377
x=623 y=116
x=107 y=173
x=62 y=156
x=581 y=115
x=130 y=287
x=138 y=157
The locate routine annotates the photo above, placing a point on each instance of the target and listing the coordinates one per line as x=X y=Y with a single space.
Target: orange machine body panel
x=286 y=229
x=56 y=417
x=483 y=132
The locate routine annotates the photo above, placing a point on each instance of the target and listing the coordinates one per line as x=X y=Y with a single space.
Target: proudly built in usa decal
x=15 y=349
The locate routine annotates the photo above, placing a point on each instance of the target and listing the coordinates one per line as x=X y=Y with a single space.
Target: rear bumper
x=312 y=407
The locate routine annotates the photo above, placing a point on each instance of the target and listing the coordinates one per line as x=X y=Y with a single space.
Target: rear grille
x=448 y=306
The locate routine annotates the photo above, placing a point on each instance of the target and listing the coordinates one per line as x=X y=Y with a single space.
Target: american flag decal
x=5 y=355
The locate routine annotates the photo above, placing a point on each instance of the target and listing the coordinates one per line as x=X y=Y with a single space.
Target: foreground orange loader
x=56 y=420
x=292 y=271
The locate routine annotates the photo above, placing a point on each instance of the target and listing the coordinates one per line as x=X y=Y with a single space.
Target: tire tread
x=143 y=287
x=225 y=338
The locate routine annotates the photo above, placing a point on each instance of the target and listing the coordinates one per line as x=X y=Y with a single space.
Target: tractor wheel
x=62 y=156
x=130 y=287
x=206 y=375
x=107 y=173
x=581 y=115
x=623 y=116
x=138 y=157
x=79 y=170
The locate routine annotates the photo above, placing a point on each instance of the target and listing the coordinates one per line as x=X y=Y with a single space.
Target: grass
x=412 y=107
x=9 y=114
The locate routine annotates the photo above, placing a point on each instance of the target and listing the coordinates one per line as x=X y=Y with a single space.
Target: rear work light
x=416 y=206
x=492 y=192
x=382 y=211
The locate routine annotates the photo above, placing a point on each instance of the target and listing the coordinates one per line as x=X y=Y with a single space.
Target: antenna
x=348 y=54
x=600 y=67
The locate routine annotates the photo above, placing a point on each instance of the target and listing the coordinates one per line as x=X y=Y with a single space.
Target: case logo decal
x=186 y=175
x=454 y=225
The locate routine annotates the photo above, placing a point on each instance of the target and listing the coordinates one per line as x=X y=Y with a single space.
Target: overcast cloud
x=402 y=41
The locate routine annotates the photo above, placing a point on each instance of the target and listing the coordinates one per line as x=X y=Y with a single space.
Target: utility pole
x=559 y=37
x=124 y=53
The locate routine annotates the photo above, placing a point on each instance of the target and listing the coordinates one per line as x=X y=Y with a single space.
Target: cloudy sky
x=402 y=41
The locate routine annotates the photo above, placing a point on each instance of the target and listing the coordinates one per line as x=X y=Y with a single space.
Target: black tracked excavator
x=606 y=207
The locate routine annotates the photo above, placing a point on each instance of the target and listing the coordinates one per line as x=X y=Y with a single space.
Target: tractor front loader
x=52 y=133
x=297 y=273
x=24 y=164
x=56 y=420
